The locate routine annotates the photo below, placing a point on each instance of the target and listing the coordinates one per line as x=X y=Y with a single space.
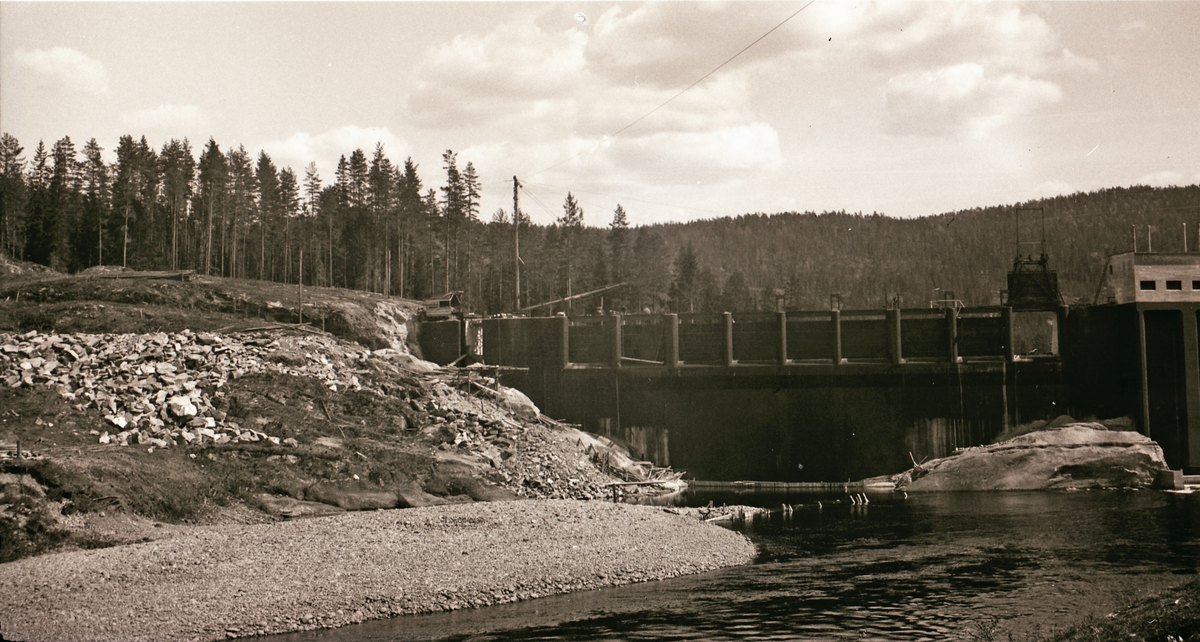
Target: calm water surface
x=946 y=566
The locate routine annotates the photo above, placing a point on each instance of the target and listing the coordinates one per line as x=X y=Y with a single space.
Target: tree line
x=377 y=227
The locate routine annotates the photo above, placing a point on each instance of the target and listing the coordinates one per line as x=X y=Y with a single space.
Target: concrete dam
x=847 y=394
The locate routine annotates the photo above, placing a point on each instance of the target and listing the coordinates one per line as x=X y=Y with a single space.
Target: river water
x=937 y=566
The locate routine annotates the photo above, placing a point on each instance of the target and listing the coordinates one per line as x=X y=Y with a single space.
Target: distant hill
x=870 y=258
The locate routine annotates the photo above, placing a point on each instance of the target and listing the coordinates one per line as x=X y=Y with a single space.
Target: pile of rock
x=526 y=457
x=160 y=389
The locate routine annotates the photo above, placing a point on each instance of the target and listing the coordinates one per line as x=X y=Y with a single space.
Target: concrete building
x=1142 y=277
x=1145 y=321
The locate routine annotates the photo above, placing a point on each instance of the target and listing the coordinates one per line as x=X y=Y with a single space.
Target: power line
x=530 y=193
x=682 y=92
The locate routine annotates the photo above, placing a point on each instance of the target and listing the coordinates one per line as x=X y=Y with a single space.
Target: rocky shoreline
x=240 y=580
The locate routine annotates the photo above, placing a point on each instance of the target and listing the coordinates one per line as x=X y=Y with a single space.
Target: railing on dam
x=834 y=337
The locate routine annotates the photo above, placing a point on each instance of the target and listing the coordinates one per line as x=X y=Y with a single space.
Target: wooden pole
x=300 y=281
x=728 y=319
x=672 y=329
x=516 y=247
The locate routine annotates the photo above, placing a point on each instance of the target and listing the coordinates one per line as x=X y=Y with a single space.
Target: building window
x=1196 y=285
x=1174 y=285
x=1146 y=285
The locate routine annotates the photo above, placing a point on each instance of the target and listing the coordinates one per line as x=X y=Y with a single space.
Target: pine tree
x=381 y=188
x=685 y=289
x=97 y=206
x=571 y=223
x=453 y=210
x=618 y=243
x=50 y=225
x=242 y=189
x=214 y=175
x=289 y=202
x=409 y=216
x=178 y=172
x=135 y=190
x=312 y=188
x=270 y=205
x=13 y=196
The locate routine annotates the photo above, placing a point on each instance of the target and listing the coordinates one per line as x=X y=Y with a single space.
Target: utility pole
x=516 y=246
x=300 y=282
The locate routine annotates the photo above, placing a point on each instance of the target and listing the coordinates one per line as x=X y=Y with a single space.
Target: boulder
x=293 y=508
x=182 y=406
x=1067 y=457
x=352 y=495
x=411 y=496
x=517 y=403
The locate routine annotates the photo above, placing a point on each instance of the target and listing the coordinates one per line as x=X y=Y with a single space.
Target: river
x=945 y=566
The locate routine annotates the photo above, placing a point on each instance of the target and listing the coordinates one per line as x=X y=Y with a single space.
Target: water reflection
x=929 y=567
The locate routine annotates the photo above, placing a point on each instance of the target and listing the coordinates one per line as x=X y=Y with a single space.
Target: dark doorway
x=1165 y=385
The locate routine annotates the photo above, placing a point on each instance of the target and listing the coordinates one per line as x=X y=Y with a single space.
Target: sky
x=902 y=108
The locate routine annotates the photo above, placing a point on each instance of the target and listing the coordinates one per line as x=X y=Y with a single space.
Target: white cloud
x=517 y=68
x=942 y=69
x=715 y=156
x=64 y=69
x=655 y=45
x=962 y=99
x=166 y=118
x=302 y=148
x=1162 y=179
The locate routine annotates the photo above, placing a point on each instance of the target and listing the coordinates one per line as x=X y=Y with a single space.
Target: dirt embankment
x=113 y=300
x=139 y=426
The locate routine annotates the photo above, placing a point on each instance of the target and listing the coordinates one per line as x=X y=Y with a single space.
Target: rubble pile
x=161 y=389
x=543 y=472
x=472 y=416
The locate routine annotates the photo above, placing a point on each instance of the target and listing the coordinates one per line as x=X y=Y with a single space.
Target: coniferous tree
x=13 y=196
x=409 y=218
x=270 y=205
x=571 y=223
x=57 y=208
x=178 y=169
x=311 y=217
x=242 y=189
x=214 y=175
x=735 y=296
x=432 y=217
x=453 y=212
x=289 y=203
x=97 y=207
x=381 y=188
x=685 y=289
x=135 y=190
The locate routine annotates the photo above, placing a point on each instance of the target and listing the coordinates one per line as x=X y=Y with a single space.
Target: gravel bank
x=232 y=581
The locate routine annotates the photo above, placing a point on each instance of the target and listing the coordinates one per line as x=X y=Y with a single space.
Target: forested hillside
x=378 y=226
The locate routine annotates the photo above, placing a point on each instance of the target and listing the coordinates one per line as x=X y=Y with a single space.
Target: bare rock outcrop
x=1068 y=457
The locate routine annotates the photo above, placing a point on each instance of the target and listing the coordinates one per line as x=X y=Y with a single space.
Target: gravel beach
x=237 y=580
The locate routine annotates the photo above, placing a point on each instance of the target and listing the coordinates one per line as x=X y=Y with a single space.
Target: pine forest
x=378 y=226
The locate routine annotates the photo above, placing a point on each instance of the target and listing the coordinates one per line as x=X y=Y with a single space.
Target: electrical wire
x=681 y=92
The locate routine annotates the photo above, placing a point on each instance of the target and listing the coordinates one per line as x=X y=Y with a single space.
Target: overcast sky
x=902 y=108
